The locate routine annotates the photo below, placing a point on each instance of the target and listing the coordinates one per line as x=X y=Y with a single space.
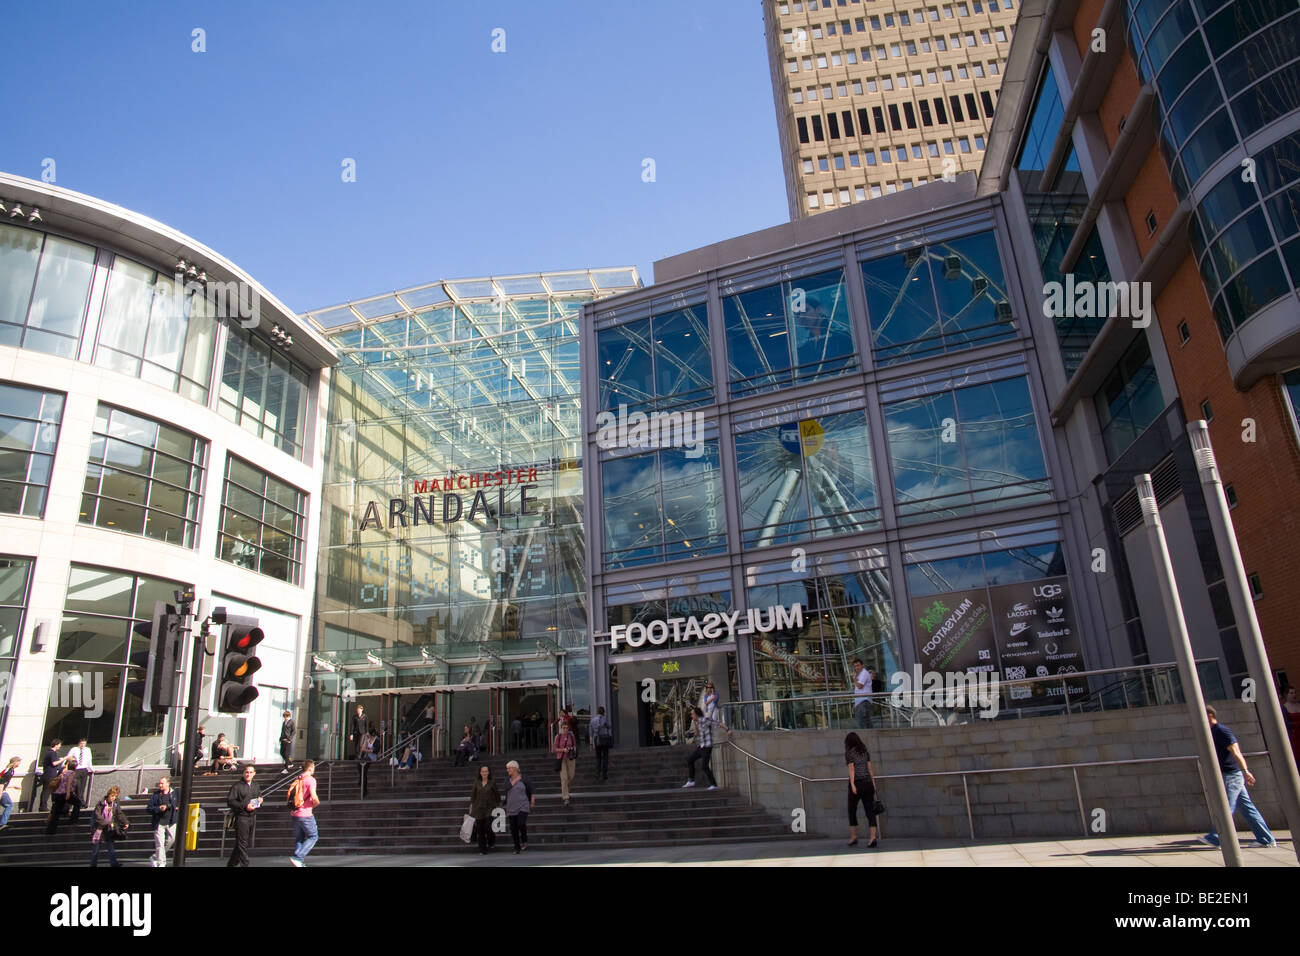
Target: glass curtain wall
x=459 y=421
x=88 y=696
x=29 y=434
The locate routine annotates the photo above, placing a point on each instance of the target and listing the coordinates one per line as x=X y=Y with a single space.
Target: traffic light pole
x=191 y=726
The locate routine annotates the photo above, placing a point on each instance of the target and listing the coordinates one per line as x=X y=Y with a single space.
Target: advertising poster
x=954 y=631
x=1036 y=636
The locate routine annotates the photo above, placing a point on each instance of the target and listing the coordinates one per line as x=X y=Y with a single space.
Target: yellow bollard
x=192 y=829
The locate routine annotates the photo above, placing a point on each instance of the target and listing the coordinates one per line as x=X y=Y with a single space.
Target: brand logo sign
x=711 y=627
x=464 y=497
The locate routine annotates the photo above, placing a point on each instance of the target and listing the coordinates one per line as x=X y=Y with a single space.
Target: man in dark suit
x=243 y=800
x=287 y=730
x=357 y=732
x=51 y=764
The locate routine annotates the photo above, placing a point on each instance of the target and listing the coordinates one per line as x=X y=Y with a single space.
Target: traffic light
x=157 y=690
x=241 y=635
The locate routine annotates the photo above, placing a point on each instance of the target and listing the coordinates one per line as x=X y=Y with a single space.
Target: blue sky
x=468 y=162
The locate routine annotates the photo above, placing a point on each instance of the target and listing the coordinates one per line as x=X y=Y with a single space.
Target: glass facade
x=847 y=614
x=659 y=362
x=15 y=579
x=1129 y=400
x=1055 y=212
x=452 y=541
x=29 y=434
x=966 y=450
x=1223 y=73
x=791 y=332
x=663 y=506
x=263 y=521
x=151 y=328
x=1246 y=235
x=806 y=479
x=264 y=391
x=96 y=641
x=44 y=287
x=938 y=298
x=144 y=478
x=156 y=327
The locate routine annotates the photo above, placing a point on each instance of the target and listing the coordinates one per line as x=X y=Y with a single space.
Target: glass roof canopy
x=460 y=344
x=455 y=291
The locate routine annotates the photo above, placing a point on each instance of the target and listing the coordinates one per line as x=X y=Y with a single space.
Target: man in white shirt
x=84 y=769
x=861 y=694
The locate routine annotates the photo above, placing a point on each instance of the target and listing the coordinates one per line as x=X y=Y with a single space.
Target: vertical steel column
x=1208 y=763
x=1252 y=640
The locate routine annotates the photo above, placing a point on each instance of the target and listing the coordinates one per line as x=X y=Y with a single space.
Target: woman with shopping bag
x=483 y=799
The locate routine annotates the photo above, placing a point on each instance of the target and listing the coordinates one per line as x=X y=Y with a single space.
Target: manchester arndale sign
x=463 y=497
x=710 y=627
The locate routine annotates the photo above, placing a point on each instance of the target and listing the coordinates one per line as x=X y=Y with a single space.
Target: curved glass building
x=158 y=432
x=1227 y=81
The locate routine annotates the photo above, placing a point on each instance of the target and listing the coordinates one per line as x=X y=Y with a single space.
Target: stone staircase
x=419 y=811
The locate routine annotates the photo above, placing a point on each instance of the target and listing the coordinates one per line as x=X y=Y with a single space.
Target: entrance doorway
x=666 y=720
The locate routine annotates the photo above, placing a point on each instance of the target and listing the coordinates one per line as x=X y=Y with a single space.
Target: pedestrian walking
x=704 y=728
x=243 y=800
x=163 y=808
x=483 y=799
x=85 y=770
x=517 y=732
x=11 y=789
x=65 y=792
x=358 y=731
x=1236 y=778
x=110 y=826
x=303 y=799
x=565 y=748
x=51 y=767
x=602 y=738
x=710 y=701
x=519 y=803
x=287 y=730
x=861 y=694
x=862 y=786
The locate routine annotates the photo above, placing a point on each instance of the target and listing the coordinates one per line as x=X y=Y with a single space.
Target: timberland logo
x=1098 y=300
x=624 y=429
x=77 y=910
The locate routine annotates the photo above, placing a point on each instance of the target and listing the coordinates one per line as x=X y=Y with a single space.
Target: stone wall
x=1148 y=798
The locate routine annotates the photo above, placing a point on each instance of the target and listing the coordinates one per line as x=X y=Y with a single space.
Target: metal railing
x=1113 y=688
x=1074 y=769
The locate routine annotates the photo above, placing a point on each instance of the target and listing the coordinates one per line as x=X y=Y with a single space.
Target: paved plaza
x=1177 y=850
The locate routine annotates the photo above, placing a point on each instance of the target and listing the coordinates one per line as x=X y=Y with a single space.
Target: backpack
x=294 y=797
x=604 y=733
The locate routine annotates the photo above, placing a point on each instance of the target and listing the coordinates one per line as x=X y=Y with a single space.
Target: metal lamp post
x=1252 y=640
x=1215 y=794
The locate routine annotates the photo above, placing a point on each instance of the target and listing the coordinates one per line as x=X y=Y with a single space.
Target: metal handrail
x=1074 y=768
x=886 y=698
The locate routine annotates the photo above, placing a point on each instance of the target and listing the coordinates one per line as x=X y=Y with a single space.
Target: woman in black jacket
x=482 y=801
x=110 y=822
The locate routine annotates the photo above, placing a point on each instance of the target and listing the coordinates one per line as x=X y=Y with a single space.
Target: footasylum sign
x=711 y=627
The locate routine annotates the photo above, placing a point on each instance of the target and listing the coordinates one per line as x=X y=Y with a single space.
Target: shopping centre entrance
x=438 y=714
